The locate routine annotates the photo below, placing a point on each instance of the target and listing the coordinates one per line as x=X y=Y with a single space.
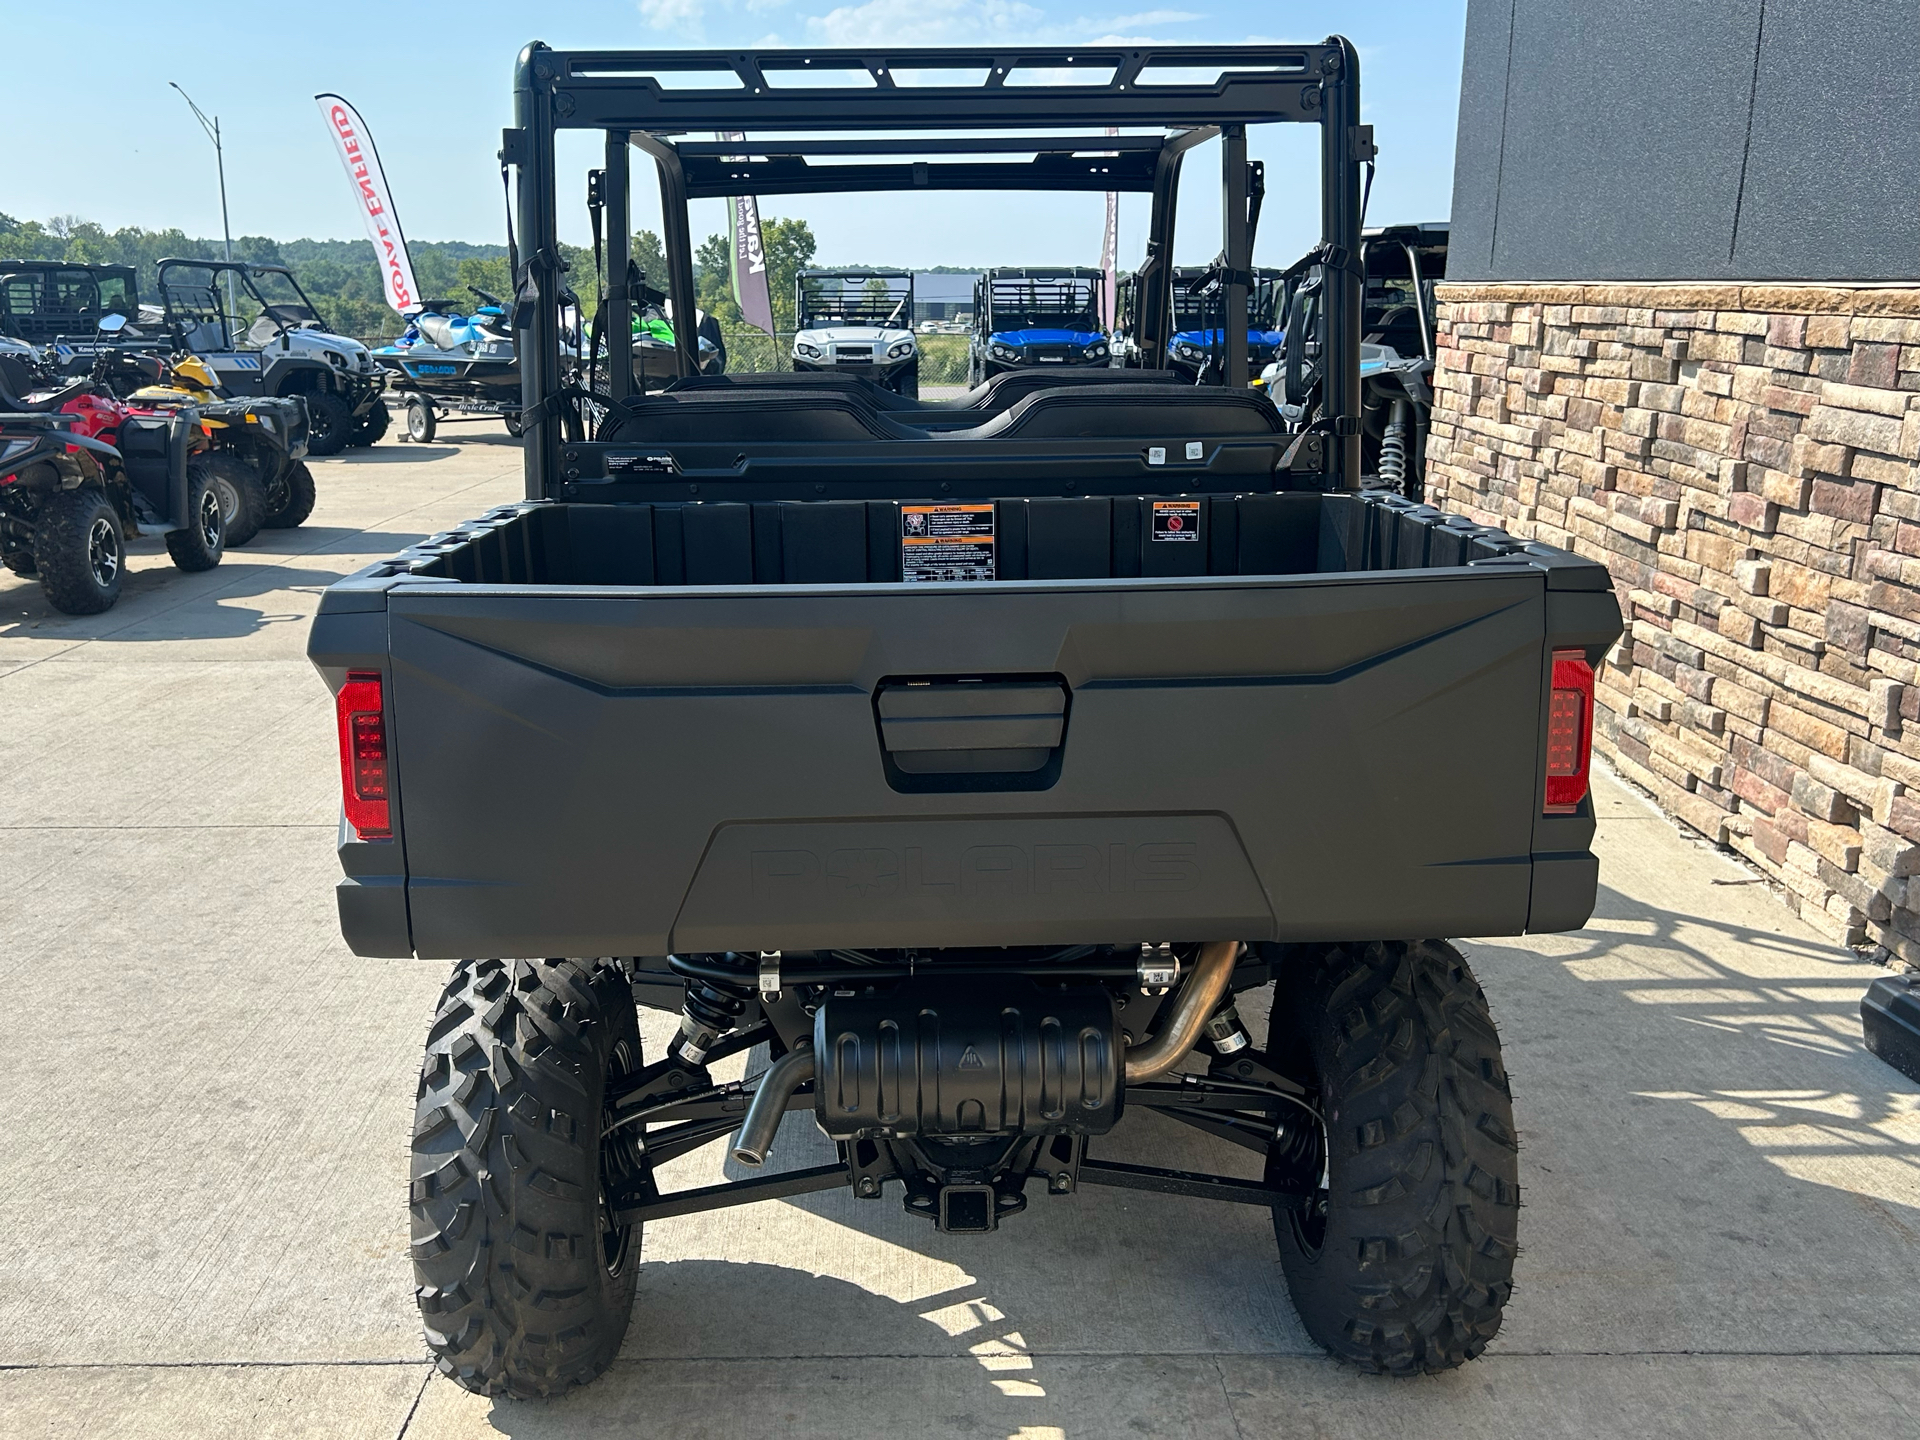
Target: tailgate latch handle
x=971 y=727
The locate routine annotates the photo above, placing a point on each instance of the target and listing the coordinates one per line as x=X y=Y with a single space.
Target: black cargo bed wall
x=851 y=541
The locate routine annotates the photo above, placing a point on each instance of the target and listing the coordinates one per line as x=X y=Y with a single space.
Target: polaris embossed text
x=1164 y=867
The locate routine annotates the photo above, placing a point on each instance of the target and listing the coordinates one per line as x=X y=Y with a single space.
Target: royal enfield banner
x=355 y=145
x=749 y=257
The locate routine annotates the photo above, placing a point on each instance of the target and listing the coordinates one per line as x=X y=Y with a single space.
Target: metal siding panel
x=1625 y=127
x=1476 y=154
x=1834 y=171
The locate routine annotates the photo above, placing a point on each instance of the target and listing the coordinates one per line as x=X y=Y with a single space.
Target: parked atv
x=80 y=472
x=280 y=346
x=260 y=444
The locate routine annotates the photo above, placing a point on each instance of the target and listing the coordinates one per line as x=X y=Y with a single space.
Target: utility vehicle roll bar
x=645 y=100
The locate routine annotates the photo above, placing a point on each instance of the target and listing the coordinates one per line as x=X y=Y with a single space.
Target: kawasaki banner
x=749 y=257
x=355 y=147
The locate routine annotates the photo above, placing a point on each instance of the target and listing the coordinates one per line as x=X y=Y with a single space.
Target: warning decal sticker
x=946 y=542
x=1176 y=520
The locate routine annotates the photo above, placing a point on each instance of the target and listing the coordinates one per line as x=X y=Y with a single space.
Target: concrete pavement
x=208 y=1102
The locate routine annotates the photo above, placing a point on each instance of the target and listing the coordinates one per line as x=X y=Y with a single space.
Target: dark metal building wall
x=1701 y=140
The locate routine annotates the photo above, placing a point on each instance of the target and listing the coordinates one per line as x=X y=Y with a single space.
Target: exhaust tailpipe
x=1185 y=1018
x=769 y=1105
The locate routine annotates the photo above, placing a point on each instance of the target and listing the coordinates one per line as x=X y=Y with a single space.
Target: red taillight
x=1569 y=732
x=363 y=755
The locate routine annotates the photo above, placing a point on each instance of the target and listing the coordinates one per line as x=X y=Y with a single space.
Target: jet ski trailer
x=449 y=365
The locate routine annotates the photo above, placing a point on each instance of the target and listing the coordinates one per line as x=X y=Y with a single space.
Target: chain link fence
x=943 y=358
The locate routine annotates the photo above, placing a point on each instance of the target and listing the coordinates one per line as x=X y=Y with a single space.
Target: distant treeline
x=343 y=276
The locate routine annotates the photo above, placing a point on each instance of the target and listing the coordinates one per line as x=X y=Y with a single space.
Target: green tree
x=651 y=257
x=789 y=247
x=713 y=280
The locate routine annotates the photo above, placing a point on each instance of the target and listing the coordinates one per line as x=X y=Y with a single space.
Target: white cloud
x=1152 y=17
x=926 y=22
x=683 y=17
x=980 y=22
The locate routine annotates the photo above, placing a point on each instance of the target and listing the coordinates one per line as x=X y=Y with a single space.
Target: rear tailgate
x=641 y=771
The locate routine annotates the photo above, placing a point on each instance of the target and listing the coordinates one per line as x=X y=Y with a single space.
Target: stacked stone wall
x=1743 y=460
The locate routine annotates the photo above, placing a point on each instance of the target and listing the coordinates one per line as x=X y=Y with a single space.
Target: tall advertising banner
x=1109 y=258
x=1110 y=254
x=355 y=146
x=749 y=256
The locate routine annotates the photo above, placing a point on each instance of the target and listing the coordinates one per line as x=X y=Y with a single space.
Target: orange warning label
x=1176 y=520
x=946 y=542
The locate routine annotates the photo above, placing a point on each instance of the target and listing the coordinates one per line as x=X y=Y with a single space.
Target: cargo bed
x=652 y=728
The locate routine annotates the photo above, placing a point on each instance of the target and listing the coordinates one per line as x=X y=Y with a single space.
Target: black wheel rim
x=212 y=519
x=621 y=1158
x=103 y=551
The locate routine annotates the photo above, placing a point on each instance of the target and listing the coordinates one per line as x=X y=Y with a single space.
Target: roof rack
x=654 y=102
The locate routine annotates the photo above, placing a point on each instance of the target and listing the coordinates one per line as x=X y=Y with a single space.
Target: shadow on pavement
x=957 y=1355
x=1809 y=1098
x=156 y=605
x=442 y=447
x=384 y=454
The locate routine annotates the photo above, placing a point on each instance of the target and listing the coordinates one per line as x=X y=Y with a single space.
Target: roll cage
x=646 y=101
x=40 y=300
x=1037 y=297
x=188 y=302
x=851 y=297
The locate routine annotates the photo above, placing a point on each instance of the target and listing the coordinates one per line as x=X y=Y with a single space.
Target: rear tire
x=524 y=1287
x=243 y=500
x=296 y=502
x=420 y=422
x=512 y=422
x=373 y=425
x=79 y=551
x=329 y=423
x=199 y=544
x=1404 y=1263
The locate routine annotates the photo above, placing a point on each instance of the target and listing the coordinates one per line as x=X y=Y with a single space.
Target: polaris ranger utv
x=280 y=346
x=985 y=760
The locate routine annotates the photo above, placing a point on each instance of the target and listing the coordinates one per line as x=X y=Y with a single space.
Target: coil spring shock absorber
x=713 y=1004
x=1393 y=449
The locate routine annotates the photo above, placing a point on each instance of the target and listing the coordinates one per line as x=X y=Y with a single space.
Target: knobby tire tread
x=1416 y=1266
x=253 y=496
x=60 y=551
x=296 y=496
x=512 y=1286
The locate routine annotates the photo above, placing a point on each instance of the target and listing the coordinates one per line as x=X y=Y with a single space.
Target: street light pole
x=212 y=127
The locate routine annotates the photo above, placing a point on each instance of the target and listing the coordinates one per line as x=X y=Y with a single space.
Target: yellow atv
x=259 y=443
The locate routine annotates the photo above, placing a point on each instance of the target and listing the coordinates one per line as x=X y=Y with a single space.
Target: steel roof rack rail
x=651 y=100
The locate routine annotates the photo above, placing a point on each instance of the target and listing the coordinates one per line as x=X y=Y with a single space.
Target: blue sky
x=94 y=131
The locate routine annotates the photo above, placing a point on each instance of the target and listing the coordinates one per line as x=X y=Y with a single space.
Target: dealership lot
x=209 y=1101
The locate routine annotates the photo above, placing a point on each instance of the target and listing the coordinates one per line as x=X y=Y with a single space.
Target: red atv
x=80 y=472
